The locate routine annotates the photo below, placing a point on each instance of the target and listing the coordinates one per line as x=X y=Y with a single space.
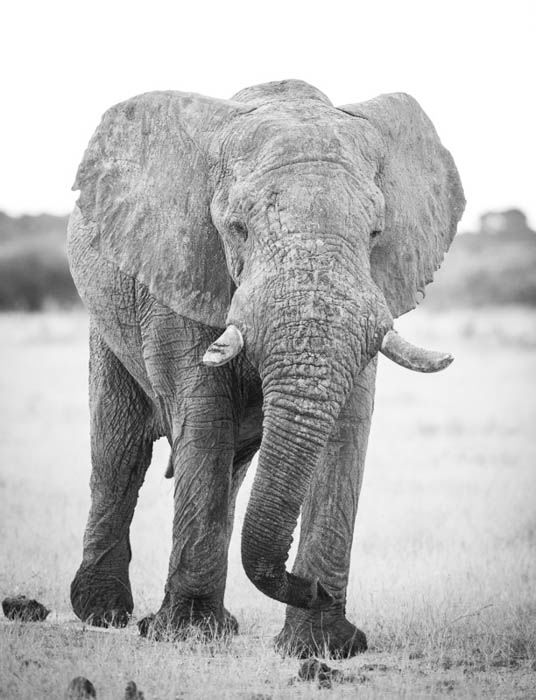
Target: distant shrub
x=34 y=273
x=486 y=270
x=32 y=279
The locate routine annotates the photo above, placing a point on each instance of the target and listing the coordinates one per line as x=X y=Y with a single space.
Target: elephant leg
x=121 y=418
x=241 y=463
x=212 y=449
x=204 y=439
x=249 y=441
x=242 y=460
x=326 y=534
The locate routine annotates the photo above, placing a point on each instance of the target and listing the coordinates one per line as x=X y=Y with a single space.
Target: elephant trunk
x=288 y=456
x=308 y=368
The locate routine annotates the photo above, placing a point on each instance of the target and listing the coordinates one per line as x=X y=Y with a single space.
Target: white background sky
x=471 y=64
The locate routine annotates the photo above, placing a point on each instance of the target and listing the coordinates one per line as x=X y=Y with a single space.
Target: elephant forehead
x=309 y=141
x=273 y=137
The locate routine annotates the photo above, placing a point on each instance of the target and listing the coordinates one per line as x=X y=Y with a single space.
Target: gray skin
x=308 y=228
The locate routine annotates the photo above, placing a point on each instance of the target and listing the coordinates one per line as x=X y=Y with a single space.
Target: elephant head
x=304 y=230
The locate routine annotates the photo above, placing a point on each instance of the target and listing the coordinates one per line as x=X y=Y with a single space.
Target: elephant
x=243 y=262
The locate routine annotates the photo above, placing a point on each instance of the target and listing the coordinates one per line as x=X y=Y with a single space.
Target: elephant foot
x=328 y=634
x=101 y=598
x=180 y=621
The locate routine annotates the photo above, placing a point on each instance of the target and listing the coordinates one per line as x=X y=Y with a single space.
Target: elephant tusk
x=407 y=355
x=228 y=345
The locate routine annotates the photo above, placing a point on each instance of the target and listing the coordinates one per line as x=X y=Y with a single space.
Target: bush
x=34 y=272
x=32 y=279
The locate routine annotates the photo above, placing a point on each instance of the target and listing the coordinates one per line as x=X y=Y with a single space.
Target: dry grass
x=444 y=564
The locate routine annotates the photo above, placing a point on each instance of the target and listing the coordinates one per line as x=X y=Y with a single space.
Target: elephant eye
x=238 y=229
x=375 y=234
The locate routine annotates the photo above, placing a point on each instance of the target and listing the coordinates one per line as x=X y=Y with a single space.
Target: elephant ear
x=145 y=189
x=423 y=199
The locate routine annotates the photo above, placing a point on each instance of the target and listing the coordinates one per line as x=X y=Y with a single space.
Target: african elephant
x=242 y=262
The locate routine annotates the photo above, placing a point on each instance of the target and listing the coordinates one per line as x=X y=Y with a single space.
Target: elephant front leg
x=327 y=528
x=121 y=446
x=203 y=452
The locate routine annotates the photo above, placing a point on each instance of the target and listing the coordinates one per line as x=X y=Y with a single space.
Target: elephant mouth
x=393 y=346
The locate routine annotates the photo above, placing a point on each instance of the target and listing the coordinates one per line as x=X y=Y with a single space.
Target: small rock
x=315 y=670
x=20 y=607
x=79 y=689
x=132 y=692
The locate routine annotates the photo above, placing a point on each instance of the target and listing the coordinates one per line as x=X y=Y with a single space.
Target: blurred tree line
x=33 y=263
x=494 y=266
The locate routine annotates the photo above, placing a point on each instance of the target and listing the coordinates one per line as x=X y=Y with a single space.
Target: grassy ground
x=444 y=565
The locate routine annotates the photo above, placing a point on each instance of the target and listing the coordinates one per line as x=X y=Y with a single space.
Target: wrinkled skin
x=331 y=221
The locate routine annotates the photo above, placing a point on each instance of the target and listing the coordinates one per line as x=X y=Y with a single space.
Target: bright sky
x=471 y=64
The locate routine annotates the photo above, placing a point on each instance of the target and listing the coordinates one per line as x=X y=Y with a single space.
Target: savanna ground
x=444 y=563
